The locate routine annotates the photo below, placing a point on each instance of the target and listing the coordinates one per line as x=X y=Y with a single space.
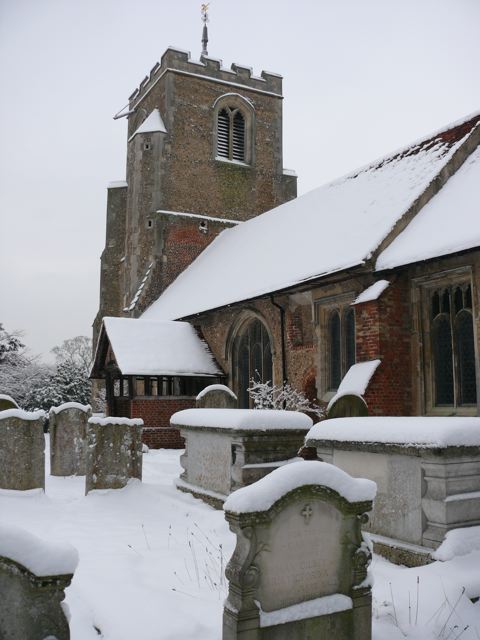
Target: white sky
x=361 y=78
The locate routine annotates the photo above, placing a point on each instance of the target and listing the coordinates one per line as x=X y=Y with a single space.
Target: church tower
x=204 y=152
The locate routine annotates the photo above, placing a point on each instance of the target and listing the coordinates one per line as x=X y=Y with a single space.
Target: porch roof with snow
x=146 y=347
x=335 y=227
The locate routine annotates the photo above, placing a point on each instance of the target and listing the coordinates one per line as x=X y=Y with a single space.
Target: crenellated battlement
x=179 y=61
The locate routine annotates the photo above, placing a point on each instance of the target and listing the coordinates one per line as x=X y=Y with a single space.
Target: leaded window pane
x=252 y=359
x=335 y=351
x=349 y=339
x=467 y=387
x=443 y=361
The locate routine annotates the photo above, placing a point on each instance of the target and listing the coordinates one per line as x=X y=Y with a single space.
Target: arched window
x=231 y=134
x=341 y=345
x=335 y=350
x=251 y=359
x=453 y=347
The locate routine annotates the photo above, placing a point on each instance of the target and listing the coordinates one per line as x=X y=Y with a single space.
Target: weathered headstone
x=216 y=396
x=347 y=406
x=7 y=402
x=33 y=577
x=22 y=450
x=226 y=449
x=299 y=569
x=68 y=435
x=114 y=452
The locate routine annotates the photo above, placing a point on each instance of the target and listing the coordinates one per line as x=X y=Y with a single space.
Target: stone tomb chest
x=299 y=569
x=427 y=471
x=226 y=449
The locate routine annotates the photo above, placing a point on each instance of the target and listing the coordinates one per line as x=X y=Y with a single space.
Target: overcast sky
x=361 y=78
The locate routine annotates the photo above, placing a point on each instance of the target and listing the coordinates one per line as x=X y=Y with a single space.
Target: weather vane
x=205 y=29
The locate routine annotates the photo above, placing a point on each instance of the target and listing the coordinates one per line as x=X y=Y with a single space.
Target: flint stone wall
x=114 y=452
x=68 y=436
x=22 y=450
x=299 y=569
x=219 y=460
x=422 y=492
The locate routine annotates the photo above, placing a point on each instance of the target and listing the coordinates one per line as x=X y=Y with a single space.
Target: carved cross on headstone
x=307 y=513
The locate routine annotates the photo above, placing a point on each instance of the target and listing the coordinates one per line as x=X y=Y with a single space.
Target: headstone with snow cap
x=33 y=577
x=347 y=406
x=299 y=569
x=216 y=396
x=68 y=433
x=22 y=446
x=114 y=452
x=7 y=402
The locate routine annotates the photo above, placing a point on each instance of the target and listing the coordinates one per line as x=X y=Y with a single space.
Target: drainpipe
x=282 y=331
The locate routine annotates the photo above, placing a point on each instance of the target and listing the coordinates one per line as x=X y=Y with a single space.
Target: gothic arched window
x=234 y=130
x=341 y=345
x=231 y=134
x=251 y=359
x=453 y=347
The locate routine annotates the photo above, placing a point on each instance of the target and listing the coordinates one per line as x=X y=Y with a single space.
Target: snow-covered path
x=152 y=560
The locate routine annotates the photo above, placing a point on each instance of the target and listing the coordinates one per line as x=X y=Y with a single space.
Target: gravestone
x=216 y=396
x=68 y=433
x=114 y=452
x=22 y=450
x=299 y=569
x=7 y=402
x=33 y=577
x=347 y=406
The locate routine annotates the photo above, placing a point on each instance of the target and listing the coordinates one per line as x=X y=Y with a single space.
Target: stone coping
x=417 y=450
x=243 y=432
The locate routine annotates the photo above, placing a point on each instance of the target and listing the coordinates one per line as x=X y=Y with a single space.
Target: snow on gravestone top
x=263 y=494
x=71 y=405
x=244 y=419
x=6 y=400
x=41 y=557
x=356 y=380
x=132 y=422
x=215 y=387
x=21 y=414
x=422 y=432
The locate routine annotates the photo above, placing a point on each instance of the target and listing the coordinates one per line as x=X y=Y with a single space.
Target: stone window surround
x=236 y=101
x=322 y=310
x=245 y=317
x=422 y=290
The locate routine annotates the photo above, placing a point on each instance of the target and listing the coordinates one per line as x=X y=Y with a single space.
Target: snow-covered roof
x=373 y=292
x=145 y=347
x=423 y=432
x=329 y=229
x=263 y=494
x=152 y=124
x=446 y=224
x=356 y=380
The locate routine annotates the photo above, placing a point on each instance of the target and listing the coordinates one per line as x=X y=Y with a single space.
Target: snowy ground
x=152 y=560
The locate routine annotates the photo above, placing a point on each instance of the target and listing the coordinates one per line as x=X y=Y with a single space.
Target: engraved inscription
x=303 y=561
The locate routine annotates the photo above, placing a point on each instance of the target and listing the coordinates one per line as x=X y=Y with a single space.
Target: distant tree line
x=36 y=385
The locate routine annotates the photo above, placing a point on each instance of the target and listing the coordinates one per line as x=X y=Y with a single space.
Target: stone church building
x=214 y=271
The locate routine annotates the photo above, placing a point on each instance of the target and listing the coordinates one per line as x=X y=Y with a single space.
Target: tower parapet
x=179 y=61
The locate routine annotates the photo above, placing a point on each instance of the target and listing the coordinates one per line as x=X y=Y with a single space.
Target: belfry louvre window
x=453 y=347
x=231 y=134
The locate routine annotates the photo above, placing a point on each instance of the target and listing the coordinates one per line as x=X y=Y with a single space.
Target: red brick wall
x=383 y=330
x=156 y=414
